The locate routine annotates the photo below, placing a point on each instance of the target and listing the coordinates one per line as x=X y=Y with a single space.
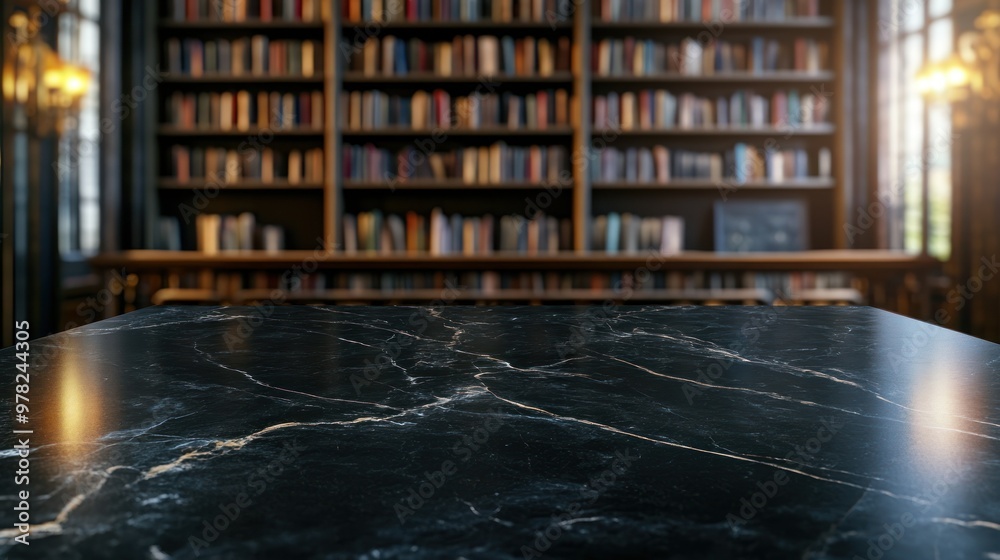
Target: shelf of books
x=505 y=151
x=243 y=137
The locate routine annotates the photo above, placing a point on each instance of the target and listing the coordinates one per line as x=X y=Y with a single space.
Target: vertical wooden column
x=7 y=277
x=975 y=214
x=975 y=230
x=581 y=120
x=841 y=47
x=332 y=199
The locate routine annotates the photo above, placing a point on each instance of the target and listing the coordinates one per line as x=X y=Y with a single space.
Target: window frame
x=894 y=162
x=71 y=144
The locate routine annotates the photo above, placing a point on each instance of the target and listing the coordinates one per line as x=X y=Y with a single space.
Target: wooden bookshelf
x=584 y=29
x=583 y=197
x=694 y=197
x=183 y=39
x=458 y=194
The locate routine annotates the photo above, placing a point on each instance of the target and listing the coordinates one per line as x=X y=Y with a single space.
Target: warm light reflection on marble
x=937 y=406
x=82 y=397
x=947 y=404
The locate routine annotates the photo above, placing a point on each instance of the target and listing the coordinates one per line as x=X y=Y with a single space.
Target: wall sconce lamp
x=949 y=79
x=66 y=83
x=37 y=78
x=974 y=69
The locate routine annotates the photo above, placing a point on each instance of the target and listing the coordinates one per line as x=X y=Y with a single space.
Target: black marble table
x=519 y=432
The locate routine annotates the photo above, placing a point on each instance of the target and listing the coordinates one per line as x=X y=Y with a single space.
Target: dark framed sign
x=759 y=225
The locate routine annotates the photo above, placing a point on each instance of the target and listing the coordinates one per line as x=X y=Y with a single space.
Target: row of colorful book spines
x=560 y=10
x=223 y=232
x=652 y=109
x=483 y=165
x=247 y=10
x=474 y=174
x=610 y=57
x=660 y=165
x=215 y=232
x=644 y=109
x=501 y=11
x=373 y=109
x=440 y=234
x=411 y=154
x=662 y=153
x=469 y=174
x=239 y=110
x=194 y=57
x=456 y=234
x=631 y=234
x=640 y=166
x=722 y=11
x=230 y=165
x=463 y=55
x=630 y=56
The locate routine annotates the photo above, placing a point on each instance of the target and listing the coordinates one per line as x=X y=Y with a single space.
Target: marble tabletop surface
x=514 y=432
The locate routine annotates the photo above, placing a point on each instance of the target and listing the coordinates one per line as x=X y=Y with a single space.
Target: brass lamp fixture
x=37 y=79
x=973 y=70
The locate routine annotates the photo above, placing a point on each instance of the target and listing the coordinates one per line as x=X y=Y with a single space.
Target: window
x=914 y=135
x=79 y=146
